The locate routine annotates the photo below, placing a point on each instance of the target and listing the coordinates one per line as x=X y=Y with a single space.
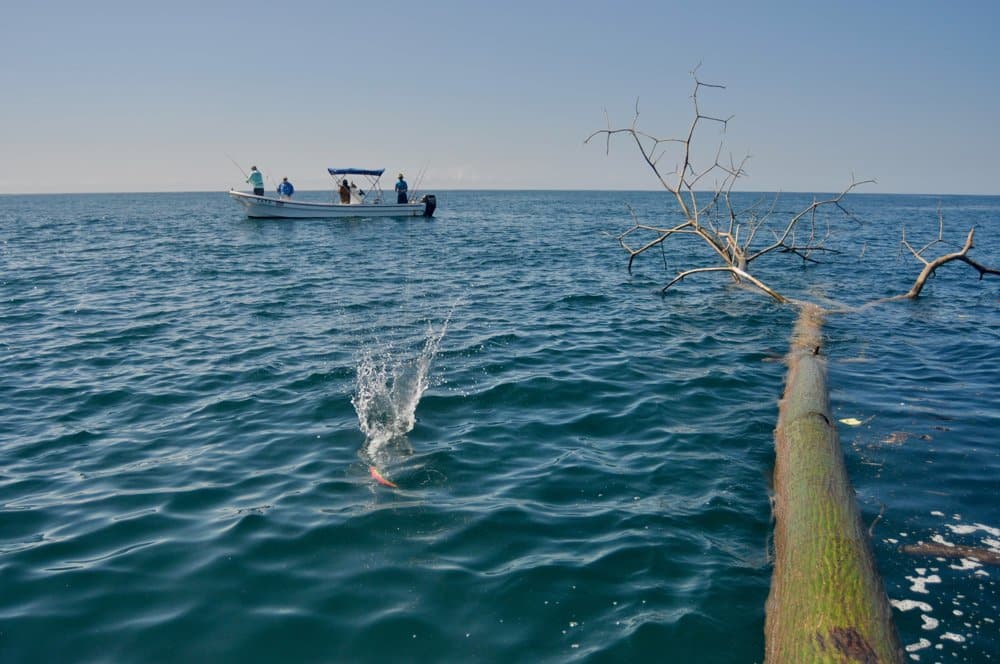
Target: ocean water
x=191 y=404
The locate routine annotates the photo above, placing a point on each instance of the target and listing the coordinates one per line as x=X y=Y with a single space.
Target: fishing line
x=419 y=181
x=245 y=175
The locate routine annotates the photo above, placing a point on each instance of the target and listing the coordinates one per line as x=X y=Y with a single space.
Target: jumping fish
x=377 y=476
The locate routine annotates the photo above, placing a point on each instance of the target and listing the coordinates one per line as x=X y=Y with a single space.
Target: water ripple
x=582 y=464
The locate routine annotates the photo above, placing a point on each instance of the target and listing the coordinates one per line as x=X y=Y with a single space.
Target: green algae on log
x=827 y=602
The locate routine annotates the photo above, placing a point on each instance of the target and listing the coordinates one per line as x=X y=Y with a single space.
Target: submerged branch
x=931 y=266
x=736 y=272
x=985 y=556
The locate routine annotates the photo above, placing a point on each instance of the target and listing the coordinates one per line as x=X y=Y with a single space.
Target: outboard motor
x=430 y=204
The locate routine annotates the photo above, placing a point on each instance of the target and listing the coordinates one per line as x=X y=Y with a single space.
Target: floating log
x=827 y=602
x=985 y=556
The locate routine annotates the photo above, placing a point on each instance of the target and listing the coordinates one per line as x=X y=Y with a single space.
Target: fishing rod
x=416 y=183
x=271 y=182
x=245 y=175
x=420 y=178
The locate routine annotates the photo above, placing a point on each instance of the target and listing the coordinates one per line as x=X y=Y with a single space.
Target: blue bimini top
x=356 y=171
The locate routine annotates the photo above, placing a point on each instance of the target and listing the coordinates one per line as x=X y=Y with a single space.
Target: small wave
x=576 y=300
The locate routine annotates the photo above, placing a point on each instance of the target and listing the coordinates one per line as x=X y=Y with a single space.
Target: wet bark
x=827 y=602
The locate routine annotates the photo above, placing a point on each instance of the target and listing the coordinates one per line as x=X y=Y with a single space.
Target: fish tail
x=378 y=477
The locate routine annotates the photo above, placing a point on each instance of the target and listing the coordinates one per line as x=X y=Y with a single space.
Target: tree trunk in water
x=827 y=603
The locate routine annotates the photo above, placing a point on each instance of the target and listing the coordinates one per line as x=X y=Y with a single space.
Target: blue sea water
x=191 y=403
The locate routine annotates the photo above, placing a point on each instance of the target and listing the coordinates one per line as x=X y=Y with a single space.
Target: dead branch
x=662 y=235
x=736 y=272
x=782 y=241
x=803 y=252
x=940 y=238
x=651 y=148
x=728 y=233
x=931 y=266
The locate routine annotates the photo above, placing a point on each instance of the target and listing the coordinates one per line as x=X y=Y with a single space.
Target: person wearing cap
x=345 y=193
x=256 y=180
x=285 y=189
x=401 y=190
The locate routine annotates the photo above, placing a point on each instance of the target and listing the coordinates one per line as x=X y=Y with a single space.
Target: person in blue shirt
x=401 y=190
x=256 y=180
x=285 y=189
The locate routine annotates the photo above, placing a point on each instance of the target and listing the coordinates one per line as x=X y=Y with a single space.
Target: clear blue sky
x=140 y=96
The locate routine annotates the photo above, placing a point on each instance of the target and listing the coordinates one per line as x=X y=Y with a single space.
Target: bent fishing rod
x=246 y=175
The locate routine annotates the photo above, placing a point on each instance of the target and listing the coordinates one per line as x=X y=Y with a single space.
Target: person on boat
x=256 y=180
x=401 y=190
x=285 y=189
x=345 y=193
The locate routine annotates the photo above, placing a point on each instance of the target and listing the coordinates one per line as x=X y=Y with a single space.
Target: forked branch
x=932 y=265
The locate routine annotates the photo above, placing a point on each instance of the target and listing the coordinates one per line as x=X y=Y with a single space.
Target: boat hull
x=274 y=208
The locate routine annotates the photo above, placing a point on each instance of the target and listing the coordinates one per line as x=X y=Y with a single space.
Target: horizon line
x=516 y=189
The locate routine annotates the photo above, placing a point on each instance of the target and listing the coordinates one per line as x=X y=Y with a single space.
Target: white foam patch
x=919 y=645
x=941 y=540
x=966 y=564
x=910 y=604
x=969 y=529
x=951 y=636
x=929 y=622
x=920 y=583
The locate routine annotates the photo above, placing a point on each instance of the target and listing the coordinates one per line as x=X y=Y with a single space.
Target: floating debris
x=945 y=550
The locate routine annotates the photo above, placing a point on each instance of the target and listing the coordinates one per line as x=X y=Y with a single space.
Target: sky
x=109 y=96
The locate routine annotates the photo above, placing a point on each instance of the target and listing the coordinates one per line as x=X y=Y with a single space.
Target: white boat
x=362 y=203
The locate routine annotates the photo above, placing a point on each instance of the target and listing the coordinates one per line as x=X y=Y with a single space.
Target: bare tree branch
x=729 y=233
x=783 y=240
x=736 y=272
x=931 y=266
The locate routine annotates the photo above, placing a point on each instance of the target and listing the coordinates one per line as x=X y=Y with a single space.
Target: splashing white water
x=388 y=390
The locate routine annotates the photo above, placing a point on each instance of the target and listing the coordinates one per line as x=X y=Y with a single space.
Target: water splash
x=387 y=392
